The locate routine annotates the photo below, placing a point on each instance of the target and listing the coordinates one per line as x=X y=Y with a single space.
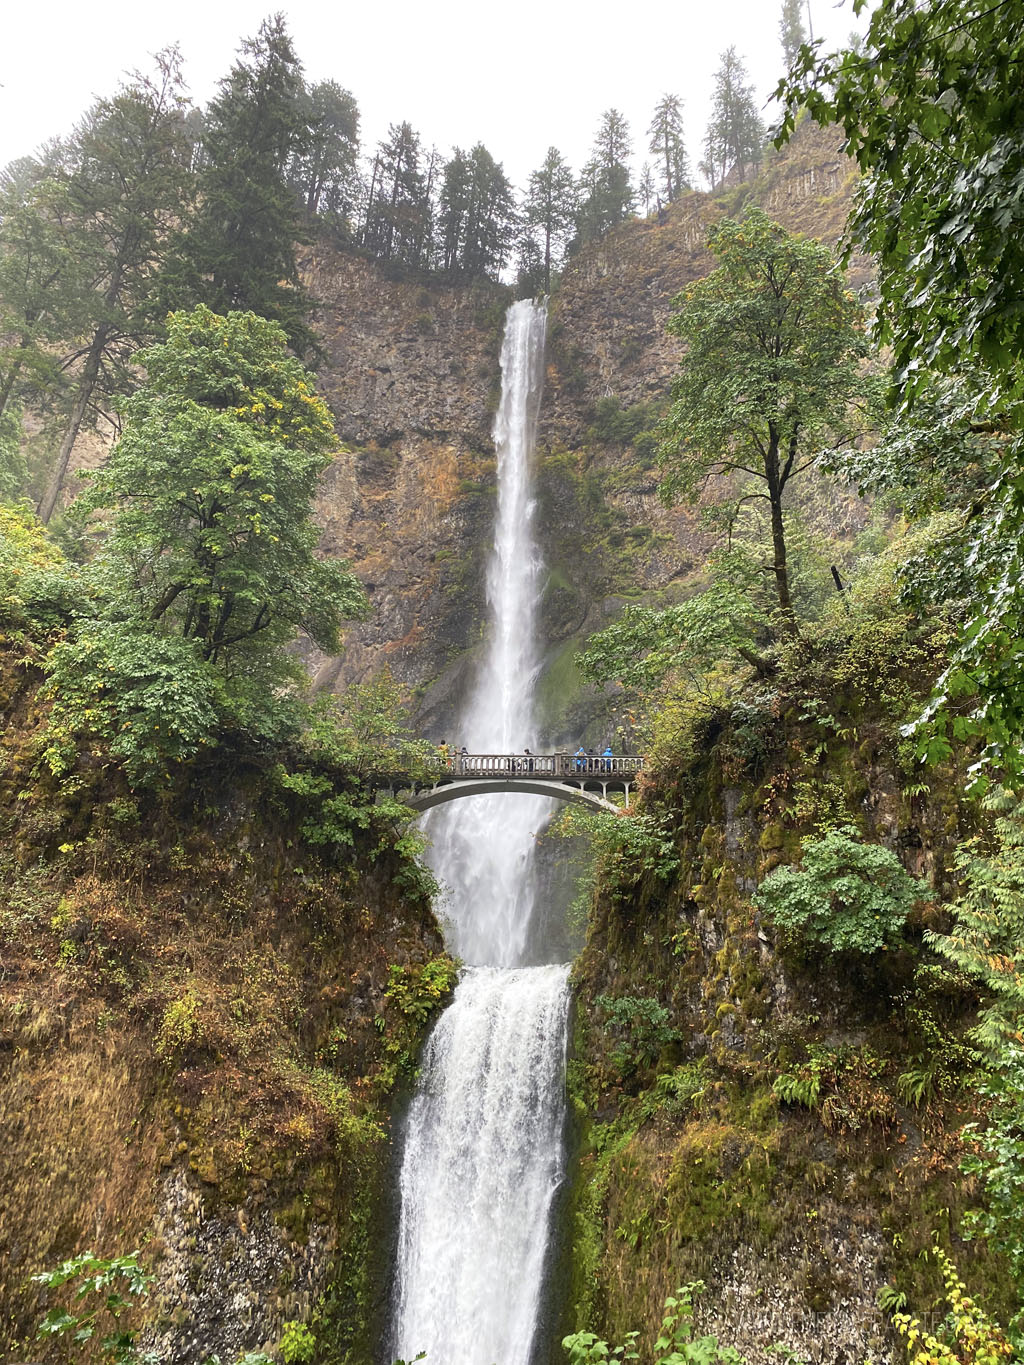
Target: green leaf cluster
x=677 y=1342
x=846 y=896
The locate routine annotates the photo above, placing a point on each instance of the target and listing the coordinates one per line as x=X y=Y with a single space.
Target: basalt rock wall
x=412 y=377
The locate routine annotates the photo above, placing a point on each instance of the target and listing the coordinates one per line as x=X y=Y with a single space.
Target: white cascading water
x=484 y=1149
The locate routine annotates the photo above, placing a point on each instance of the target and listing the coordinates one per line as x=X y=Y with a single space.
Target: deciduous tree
x=930 y=111
x=771 y=375
x=211 y=486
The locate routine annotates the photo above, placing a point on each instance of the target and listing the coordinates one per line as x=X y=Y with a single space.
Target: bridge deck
x=557 y=767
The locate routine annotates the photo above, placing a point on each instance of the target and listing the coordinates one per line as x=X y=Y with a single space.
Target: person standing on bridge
x=528 y=765
x=580 y=759
x=607 y=755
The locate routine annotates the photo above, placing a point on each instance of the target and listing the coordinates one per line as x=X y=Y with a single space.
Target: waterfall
x=483 y=1151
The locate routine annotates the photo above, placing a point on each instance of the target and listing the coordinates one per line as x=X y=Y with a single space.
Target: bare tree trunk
x=86 y=385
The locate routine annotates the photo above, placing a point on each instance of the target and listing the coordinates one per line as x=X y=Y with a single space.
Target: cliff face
x=203 y=1024
x=412 y=378
x=745 y=1102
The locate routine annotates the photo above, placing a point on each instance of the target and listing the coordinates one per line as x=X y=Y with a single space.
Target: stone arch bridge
x=587 y=779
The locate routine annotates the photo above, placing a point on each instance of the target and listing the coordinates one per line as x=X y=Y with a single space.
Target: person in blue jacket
x=606 y=756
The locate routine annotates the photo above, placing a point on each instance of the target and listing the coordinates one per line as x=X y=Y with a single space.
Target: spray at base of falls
x=483 y=1154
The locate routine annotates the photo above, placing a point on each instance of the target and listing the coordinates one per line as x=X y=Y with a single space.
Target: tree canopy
x=929 y=108
x=211 y=487
x=771 y=376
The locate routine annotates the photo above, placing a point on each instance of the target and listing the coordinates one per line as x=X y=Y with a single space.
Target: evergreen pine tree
x=606 y=189
x=476 y=214
x=646 y=188
x=735 y=134
x=397 y=223
x=323 y=170
x=549 y=217
x=240 y=251
x=666 y=134
x=791 y=30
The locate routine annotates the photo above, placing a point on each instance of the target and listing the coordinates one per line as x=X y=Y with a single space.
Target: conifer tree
x=240 y=251
x=791 y=30
x=397 y=221
x=735 y=135
x=646 y=188
x=606 y=188
x=666 y=143
x=323 y=170
x=549 y=216
x=126 y=180
x=476 y=214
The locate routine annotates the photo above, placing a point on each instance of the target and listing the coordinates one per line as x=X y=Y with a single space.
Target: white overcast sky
x=517 y=77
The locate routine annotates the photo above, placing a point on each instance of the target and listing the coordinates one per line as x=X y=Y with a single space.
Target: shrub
x=149 y=697
x=846 y=896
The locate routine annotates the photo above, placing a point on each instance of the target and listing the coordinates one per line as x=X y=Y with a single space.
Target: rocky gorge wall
x=780 y=1121
x=204 y=1026
x=411 y=375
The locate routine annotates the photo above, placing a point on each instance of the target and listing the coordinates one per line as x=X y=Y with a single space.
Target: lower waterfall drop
x=484 y=1146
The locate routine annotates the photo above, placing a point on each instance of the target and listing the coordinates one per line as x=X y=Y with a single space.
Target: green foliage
x=150 y=699
x=39 y=590
x=418 y=988
x=996 y=1159
x=677 y=1343
x=366 y=730
x=929 y=110
x=645 y=1025
x=930 y=113
x=846 y=896
x=211 y=485
x=645 y=645
x=987 y=938
x=298 y=1344
x=627 y=848
x=13 y=469
x=180 y=1027
x=104 y=1289
x=209 y=567
x=772 y=373
x=968 y=1335
x=612 y=423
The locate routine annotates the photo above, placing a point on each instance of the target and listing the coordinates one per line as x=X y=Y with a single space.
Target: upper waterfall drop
x=483 y=853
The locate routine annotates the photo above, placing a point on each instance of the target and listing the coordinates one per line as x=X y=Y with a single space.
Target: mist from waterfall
x=483 y=1154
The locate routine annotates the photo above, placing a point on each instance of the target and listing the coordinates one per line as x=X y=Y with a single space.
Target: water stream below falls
x=484 y=1149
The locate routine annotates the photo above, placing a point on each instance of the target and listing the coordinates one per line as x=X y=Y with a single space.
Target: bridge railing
x=455 y=763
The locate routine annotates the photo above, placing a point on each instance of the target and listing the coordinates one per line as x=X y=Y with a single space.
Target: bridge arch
x=429 y=797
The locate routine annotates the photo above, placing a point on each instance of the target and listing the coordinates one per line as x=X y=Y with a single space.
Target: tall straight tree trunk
x=9 y=382
x=86 y=385
x=775 y=479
